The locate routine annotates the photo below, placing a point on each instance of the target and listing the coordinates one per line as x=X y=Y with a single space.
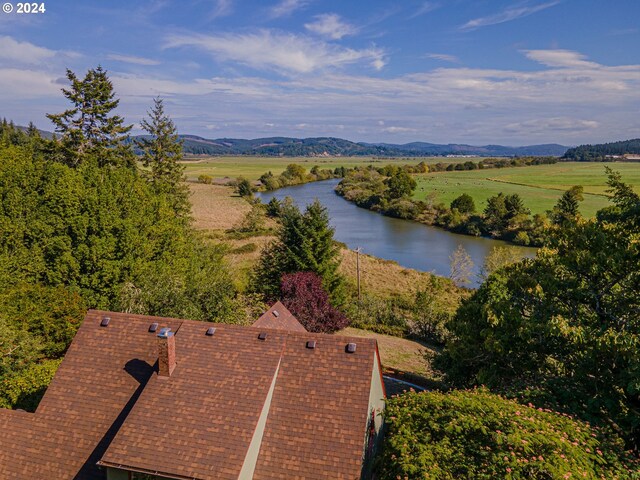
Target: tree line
x=602 y=152
x=389 y=190
x=84 y=223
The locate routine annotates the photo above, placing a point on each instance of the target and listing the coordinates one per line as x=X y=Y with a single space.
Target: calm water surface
x=411 y=244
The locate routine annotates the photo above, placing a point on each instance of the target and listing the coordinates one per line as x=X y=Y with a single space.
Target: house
x=139 y=397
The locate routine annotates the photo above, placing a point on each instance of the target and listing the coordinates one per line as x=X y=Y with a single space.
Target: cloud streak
x=286 y=7
x=330 y=26
x=278 y=51
x=132 y=59
x=512 y=13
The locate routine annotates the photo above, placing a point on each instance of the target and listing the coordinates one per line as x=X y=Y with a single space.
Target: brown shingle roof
x=278 y=317
x=106 y=403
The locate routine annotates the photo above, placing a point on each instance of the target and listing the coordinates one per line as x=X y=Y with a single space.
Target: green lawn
x=539 y=186
x=253 y=167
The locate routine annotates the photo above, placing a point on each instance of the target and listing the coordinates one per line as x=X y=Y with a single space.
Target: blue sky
x=512 y=72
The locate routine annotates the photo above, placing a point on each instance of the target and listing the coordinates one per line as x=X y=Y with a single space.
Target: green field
x=539 y=186
x=253 y=167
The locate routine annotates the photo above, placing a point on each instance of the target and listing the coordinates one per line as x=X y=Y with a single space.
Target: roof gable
x=278 y=317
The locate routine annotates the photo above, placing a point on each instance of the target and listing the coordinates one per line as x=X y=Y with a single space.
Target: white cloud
x=545 y=125
x=330 y=25
x=507 y=15
x=267 y=49
x=286 y=7
x=444 y=57
x=23 y=52
x=132 y=59
x=221 y=8
x=560 y=58
x=426 y=7
x=554 y=103
x=394 y=129
x=18 y=84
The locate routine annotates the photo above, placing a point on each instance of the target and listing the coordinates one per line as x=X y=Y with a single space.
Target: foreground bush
x=476 y=434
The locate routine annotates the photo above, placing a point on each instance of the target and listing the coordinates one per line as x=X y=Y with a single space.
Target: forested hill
x=329 y=146
x=599 y=153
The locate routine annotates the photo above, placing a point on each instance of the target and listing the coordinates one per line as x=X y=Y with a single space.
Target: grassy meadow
x=253 y=167
x=539 y=186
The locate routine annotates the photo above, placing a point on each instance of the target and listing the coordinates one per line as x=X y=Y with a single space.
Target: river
x=411 y=244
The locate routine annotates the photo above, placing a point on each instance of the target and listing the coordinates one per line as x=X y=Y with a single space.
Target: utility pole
x=358 y=271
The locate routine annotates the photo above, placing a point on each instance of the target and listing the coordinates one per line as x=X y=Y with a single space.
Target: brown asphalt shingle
x=107 y=403
x=278 y=317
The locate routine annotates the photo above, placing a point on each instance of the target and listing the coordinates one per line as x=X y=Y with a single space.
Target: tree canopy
x=563 y=327
x=305 y=244
x=89 y=128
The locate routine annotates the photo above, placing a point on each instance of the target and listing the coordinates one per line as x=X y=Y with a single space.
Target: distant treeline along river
x=411 y=244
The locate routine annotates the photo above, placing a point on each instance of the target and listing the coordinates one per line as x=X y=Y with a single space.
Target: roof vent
x=262 y=336
x=351 y=348
x=153 y=327
x=165 y=332
x=210 y=331
x=276 y=314
x=311 y=344
x=105 y=321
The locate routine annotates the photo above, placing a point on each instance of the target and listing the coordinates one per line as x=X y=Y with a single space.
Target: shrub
x=464 y=203
x=303 y=295
x=246 y=248
x=476 y=434
x=387 y=316
x=206 y=179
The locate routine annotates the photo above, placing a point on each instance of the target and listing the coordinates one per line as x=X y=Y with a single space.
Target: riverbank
x=388 y=289
x=412 y=245
x=389 y=193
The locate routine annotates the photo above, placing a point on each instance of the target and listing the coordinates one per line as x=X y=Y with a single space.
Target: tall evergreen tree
x=89 y=128
x=305 y=244
x=163 y=150
x=161 y=153
x=566 y=210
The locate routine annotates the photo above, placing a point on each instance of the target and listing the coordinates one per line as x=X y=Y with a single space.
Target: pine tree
x=89 y=128
x=163 y=150
x=566 y=211
x=161 y=153
x=305 y=244
x=33 y=131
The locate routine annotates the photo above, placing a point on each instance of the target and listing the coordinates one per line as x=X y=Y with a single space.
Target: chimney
x=166 y=352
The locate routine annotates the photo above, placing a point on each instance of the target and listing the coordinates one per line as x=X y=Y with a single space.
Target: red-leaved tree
x=304 y=296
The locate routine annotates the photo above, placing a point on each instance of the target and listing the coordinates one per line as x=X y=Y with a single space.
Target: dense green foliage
x=479 y=435
x=81 y=227
x=388 y=190
x=464 y=204
x=563 y=329
x=305 y=244
x=296 y=175
x=599 y=153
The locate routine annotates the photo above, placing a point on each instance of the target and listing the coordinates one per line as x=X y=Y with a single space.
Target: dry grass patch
x=400 y=357
x=215 y=207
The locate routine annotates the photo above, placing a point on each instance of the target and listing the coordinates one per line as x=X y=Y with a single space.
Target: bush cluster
x=480 y=435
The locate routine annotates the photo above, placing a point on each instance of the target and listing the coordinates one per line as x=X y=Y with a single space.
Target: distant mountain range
x=329 y=146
